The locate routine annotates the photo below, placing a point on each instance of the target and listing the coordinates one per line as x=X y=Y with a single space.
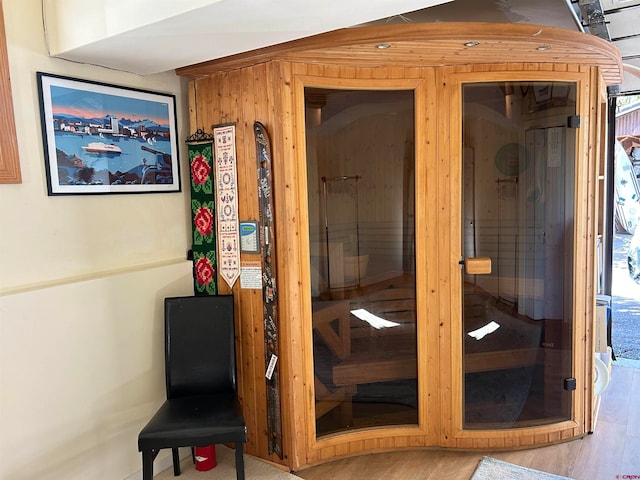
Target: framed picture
x=101 y=138
x=541 y=93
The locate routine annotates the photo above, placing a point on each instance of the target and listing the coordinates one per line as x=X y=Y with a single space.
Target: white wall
x=81 y=369
x=107 y=15
x=82 y=280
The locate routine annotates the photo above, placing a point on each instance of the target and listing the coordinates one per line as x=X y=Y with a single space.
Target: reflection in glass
x=360 y=174
x=518 y=207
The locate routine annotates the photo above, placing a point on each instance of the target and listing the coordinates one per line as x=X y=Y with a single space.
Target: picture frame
x=542 y=93
x=100 y=138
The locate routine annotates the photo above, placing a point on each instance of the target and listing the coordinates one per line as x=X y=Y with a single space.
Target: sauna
x=436 y=190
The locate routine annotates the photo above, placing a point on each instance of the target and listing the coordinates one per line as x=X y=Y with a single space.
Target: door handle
x=477 y=265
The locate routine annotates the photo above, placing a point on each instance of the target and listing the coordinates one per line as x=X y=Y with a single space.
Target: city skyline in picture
x=101 y=138
x=94 y=105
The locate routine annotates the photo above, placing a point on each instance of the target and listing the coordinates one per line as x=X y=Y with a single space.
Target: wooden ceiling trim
x=433 y=44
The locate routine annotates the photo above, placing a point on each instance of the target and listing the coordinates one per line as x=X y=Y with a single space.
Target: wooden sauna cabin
x=436 y=196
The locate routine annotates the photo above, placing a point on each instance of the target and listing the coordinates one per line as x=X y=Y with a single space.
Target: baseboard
x=162 y=464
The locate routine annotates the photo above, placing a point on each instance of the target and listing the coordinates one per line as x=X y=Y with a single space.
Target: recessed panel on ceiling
x=609 y=5
x=629 y=48
x=624 y=23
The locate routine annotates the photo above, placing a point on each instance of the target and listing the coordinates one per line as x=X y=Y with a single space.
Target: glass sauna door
x=360 y=181
x=518 y=207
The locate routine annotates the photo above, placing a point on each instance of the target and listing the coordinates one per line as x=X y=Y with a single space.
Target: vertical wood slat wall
x=9 y=158
x=270 y=93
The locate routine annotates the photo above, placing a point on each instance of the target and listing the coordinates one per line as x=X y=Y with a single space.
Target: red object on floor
x=205 y=458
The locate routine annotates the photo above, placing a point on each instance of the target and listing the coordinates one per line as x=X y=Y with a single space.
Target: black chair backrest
x=199 y=346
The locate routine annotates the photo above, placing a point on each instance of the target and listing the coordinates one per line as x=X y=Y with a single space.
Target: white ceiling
x=152 y=36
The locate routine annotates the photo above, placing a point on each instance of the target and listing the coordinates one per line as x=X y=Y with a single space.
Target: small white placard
x=271 y=367
x=251 y=275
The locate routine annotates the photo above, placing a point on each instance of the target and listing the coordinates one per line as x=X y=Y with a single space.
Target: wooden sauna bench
x=368 y=355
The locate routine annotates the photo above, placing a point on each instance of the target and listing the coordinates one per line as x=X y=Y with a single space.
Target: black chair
x=202 y=406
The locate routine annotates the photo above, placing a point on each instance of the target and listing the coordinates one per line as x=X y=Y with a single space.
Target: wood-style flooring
x=611 y=452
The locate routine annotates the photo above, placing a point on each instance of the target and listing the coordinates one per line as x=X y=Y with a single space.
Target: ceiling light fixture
x=543 y=48
x=382 y=46
x=471 y=44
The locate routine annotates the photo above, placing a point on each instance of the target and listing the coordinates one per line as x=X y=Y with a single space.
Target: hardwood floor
x=611 y=452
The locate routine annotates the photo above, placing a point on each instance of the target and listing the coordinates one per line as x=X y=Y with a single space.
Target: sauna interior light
x=543 y=48
x=373 y=320
x=482 y=332
x=471 y=44
x=382 y=46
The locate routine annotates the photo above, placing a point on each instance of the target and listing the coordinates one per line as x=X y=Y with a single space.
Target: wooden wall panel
x=596 y=160
x=9 y=159
x=427 y=232
x=434 y=44
x=449 y=296
x=290 y=196
x=241 y=97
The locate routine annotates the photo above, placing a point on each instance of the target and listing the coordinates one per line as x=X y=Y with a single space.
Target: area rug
x=254 y=469
x=492 y=469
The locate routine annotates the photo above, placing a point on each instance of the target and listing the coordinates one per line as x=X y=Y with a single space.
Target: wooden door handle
x=477 y=266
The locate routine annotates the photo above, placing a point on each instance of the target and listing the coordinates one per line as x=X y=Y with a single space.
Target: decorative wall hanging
x=269 y=291
x=227 y=196
x=200 y=147
x=100 y=138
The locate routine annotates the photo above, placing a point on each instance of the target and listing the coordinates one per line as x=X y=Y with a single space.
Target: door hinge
x=573 y=121
x=570 y=384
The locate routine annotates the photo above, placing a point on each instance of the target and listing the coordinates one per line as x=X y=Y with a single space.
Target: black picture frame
x=100 y=138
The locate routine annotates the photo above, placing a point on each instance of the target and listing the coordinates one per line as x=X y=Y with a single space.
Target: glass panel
x=518 y=207
x=360 y=167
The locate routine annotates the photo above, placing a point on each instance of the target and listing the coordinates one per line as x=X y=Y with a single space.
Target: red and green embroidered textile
x=203 y=217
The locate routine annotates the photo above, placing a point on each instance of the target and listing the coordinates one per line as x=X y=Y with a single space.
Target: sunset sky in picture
x=87 y=104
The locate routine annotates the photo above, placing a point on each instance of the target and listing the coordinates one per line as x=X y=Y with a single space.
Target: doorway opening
x=625 y=251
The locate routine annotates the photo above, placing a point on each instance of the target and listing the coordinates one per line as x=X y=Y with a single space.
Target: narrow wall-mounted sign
x=269 y=290
x=227 y=203
x=251 y=275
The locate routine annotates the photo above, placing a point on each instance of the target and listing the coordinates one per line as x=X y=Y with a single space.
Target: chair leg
x=239 y=461
x=176 y=462
x=147 y=465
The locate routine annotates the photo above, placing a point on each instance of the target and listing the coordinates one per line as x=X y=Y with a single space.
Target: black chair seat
x=202 y=406
x=194 y=421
